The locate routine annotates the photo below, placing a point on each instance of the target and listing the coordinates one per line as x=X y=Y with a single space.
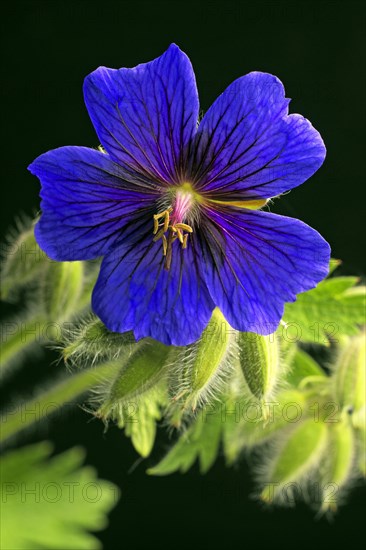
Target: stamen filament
x=156 y=226
x=164 y=224
x=165 y=245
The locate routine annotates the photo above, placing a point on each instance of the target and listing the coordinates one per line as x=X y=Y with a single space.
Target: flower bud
x=23 y=261
x=300 y=453
x=245 y=429
x=92 y=340
x=140 y=372
x=260 y=363
x=338 y=463
x=134 y=399
x=61 y=289
x=199 y=368
x=361 y=449
x=349 y=375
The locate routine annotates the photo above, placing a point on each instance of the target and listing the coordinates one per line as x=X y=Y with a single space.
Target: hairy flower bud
x=61 y=289
x=260 y=363
x=92 y=341
x=23 y=261
x=135 y=397
x=200 y=368
x=361 y=449
x=140 y=372
x=349 y=375
x=337 y=467
x=298 y=454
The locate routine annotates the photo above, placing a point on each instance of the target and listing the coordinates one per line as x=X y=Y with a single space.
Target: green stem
x=53 y=399
x=19 y=336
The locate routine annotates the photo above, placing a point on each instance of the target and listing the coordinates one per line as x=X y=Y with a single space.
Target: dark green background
x=316 y=49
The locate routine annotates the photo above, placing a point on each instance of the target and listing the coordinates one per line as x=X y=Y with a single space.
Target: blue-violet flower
x=173 y=205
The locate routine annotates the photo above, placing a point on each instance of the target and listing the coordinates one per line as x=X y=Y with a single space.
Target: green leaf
x=140 y=419
x=302 y=366
x=200 y=442
x=334 y=308
x=53 y=502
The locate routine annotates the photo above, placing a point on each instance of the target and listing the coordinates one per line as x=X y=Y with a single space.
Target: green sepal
x=360 y=435
x=246 y=428
x=141 y=371
x=23 y=261
x=300 y=452
x=336 y=470
x=93 y=341
x=61 y=289
x=198 y=369
x=349 y=374
x=260 y=363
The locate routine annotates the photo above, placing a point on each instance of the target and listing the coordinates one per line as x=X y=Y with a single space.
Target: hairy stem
x=17 y=337
x=63 y=392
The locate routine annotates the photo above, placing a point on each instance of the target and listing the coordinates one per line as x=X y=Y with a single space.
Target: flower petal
x=256 y=261
x=145 y=117
x=135 y=292
x=86 y=201
x=248 y=147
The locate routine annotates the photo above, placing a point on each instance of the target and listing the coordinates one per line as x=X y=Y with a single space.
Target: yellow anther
x=162 y=226
x=184 y=226
x=159 y=235
x=179 y=235
x=166 y=221
x=163 y=214
x=156 y=226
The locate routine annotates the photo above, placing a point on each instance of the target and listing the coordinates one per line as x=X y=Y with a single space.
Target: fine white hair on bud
x=199 y=371
x=22 y=261
x=292 y=458
x=60 y=289
x=360 y=435
x=261 y=364
x=90 y=341
x=336 y=470
x=349 y=384
x=139 y=372
x=136 y=396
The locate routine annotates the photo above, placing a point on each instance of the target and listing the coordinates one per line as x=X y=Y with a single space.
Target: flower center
x=170 y=225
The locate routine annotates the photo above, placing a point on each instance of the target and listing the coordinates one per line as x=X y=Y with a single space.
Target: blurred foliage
x=301 y=423
x=52 y=502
